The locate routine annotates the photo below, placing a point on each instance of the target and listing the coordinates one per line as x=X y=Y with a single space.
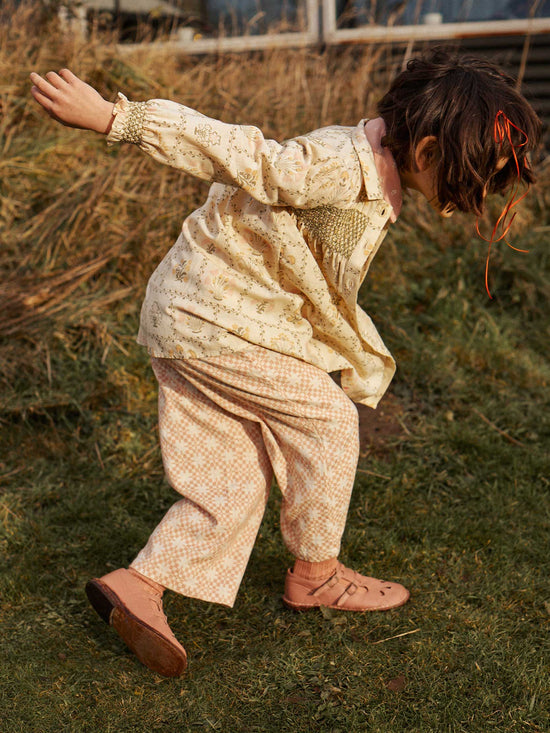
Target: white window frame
x=290 y=39
x=423 y=32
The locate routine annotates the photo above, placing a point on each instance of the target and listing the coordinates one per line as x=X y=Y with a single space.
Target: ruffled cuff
x=129 y=119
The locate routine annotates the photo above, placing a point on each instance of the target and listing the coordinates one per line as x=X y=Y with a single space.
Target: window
x=355 y=13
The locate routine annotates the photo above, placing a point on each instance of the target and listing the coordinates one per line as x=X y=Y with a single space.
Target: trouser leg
x=311 y=432
x=219 y=464
x=321 y=467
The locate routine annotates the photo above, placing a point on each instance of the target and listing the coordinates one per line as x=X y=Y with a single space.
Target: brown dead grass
x=83 y=225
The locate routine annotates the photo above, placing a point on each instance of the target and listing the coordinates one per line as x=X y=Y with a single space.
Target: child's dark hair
x=457 y=99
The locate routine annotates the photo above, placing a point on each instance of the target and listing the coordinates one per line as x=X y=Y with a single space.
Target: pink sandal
x=345 y=590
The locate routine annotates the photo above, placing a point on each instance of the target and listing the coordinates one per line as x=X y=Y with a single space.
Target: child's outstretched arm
x=311 y=170
x=72 y=102
x=307 y=171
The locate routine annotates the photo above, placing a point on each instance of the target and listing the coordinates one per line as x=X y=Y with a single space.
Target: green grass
x=462 y=520
x=459 y=512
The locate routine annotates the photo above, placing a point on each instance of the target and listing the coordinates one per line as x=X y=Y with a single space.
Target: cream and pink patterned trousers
x=227 y=423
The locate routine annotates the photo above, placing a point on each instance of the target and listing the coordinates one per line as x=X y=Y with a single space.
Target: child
x=256 y=303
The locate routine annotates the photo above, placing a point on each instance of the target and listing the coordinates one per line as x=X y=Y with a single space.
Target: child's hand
x=71 y=101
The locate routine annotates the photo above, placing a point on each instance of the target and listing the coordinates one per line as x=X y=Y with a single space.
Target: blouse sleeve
x=316 y=169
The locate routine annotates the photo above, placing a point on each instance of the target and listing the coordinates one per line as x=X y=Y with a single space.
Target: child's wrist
x=105 y=118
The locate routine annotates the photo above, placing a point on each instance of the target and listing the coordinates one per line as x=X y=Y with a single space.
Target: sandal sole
x=308 y=607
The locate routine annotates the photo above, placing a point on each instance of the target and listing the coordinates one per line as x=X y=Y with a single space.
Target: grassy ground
x=454 y=504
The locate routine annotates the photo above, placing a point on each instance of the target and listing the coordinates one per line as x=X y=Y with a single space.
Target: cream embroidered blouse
x=277 y=253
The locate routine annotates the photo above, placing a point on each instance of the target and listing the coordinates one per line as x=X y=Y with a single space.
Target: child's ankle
x=314 y=570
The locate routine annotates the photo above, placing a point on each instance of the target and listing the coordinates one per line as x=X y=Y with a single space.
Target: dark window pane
x=353 y=13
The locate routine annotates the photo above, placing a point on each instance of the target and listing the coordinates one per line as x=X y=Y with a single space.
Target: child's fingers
x=35 y=78
x=41 y=98
x=68 y=76
x=44 y=86
x=55 y=80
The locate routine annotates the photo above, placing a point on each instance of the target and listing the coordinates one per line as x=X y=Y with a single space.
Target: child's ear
x=426 y=153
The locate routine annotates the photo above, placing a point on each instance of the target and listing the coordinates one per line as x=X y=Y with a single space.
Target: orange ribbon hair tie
x=502 y=133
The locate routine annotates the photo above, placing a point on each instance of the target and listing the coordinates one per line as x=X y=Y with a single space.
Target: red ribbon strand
x=502 y=133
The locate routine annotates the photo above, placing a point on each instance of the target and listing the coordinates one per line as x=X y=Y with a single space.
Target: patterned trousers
x=227 y=424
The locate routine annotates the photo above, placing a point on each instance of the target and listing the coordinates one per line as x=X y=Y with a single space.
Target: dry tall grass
x=71 y=205
x=82 y=225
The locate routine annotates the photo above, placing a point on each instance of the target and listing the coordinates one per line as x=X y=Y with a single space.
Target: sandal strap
x=329 y=583
x=348 y=592
x=334 y=579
